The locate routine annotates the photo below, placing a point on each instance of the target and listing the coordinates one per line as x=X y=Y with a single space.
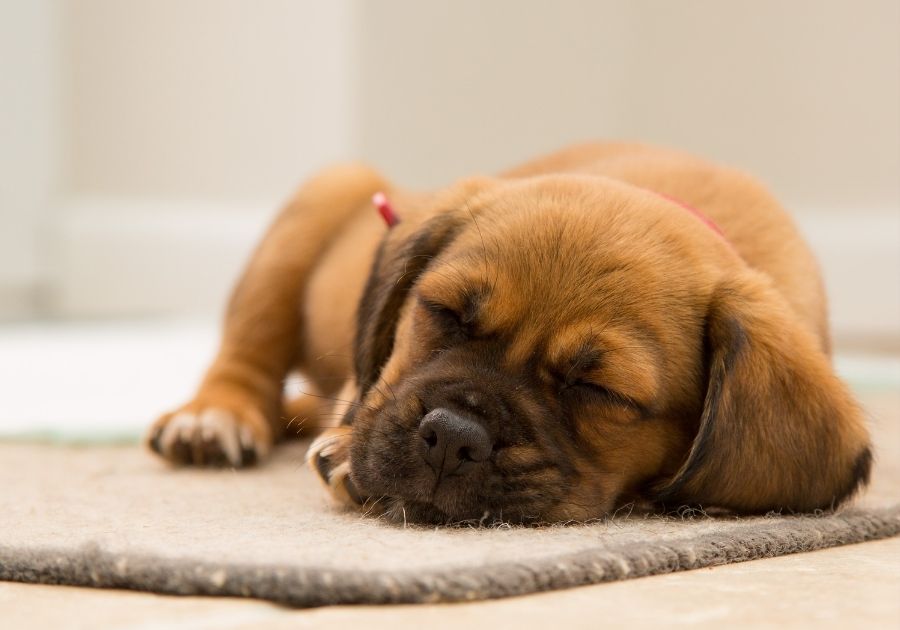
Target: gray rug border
x=304 y=587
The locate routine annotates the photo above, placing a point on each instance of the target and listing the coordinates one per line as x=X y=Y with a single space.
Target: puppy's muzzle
x=452 y=444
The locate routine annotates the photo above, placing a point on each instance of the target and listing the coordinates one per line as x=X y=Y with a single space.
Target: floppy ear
x=778 y=429
x=403 y=255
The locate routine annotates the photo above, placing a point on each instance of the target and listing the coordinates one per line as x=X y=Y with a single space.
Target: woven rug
x=116 y=517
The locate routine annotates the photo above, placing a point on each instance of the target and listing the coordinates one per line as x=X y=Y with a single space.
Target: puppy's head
x=549 y=349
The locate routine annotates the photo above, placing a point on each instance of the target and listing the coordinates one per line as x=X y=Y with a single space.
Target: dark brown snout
x=452 y=444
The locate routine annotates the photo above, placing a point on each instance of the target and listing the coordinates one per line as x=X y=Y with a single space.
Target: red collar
x=706 y=220
x=385 y=209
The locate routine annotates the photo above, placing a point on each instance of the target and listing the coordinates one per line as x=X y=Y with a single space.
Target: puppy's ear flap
x=778 y=430
x=404 y=254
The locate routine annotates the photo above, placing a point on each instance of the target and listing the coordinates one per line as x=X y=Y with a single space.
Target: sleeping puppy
x=609 y=324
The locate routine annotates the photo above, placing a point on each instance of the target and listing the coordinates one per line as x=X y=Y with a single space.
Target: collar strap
x=385 y=209
x=697 y=213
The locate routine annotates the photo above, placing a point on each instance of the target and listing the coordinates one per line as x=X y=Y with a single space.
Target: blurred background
x=144 y=145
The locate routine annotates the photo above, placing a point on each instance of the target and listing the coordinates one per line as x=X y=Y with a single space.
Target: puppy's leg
x=236 y=415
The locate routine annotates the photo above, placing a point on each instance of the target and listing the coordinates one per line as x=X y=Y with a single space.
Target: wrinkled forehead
x=543 y=262
x=536 y=271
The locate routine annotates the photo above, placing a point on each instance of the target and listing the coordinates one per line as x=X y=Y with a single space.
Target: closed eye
x=600 y=394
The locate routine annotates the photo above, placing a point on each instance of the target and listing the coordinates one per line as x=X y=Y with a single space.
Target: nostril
x=450 y=440
x=477 y=448
x=475 y=453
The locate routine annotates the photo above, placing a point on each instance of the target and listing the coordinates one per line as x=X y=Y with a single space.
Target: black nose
x=453 y=444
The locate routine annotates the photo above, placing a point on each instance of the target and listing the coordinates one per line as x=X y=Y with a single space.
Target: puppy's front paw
x=329 y=457
x=212 y=435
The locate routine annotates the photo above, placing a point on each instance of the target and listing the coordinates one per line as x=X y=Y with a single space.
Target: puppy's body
x=567 y=256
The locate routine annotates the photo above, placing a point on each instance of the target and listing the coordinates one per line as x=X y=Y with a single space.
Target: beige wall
x=29 y=97
x=459 y=87
x=230 y=100
x=806 y=94
x=237 y=99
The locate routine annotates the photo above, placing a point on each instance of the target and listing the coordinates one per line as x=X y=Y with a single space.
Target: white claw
x=180 y=423
x=222 y=425
x=323 y=446
x=251 y=443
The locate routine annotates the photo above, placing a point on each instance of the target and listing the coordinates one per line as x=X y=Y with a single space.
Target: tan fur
x=755 y=297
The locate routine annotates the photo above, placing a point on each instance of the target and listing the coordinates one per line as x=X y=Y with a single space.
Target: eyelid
x=437 y=307
x=611 y=395
x=431 y=304
x=466 y=315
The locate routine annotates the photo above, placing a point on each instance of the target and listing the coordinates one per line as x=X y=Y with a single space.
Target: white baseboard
x=860 y=258
x=140 y=257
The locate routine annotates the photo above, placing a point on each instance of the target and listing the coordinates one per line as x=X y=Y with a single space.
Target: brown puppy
x=545 y=345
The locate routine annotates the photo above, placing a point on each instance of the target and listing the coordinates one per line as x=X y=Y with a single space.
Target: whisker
x=341 y=400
